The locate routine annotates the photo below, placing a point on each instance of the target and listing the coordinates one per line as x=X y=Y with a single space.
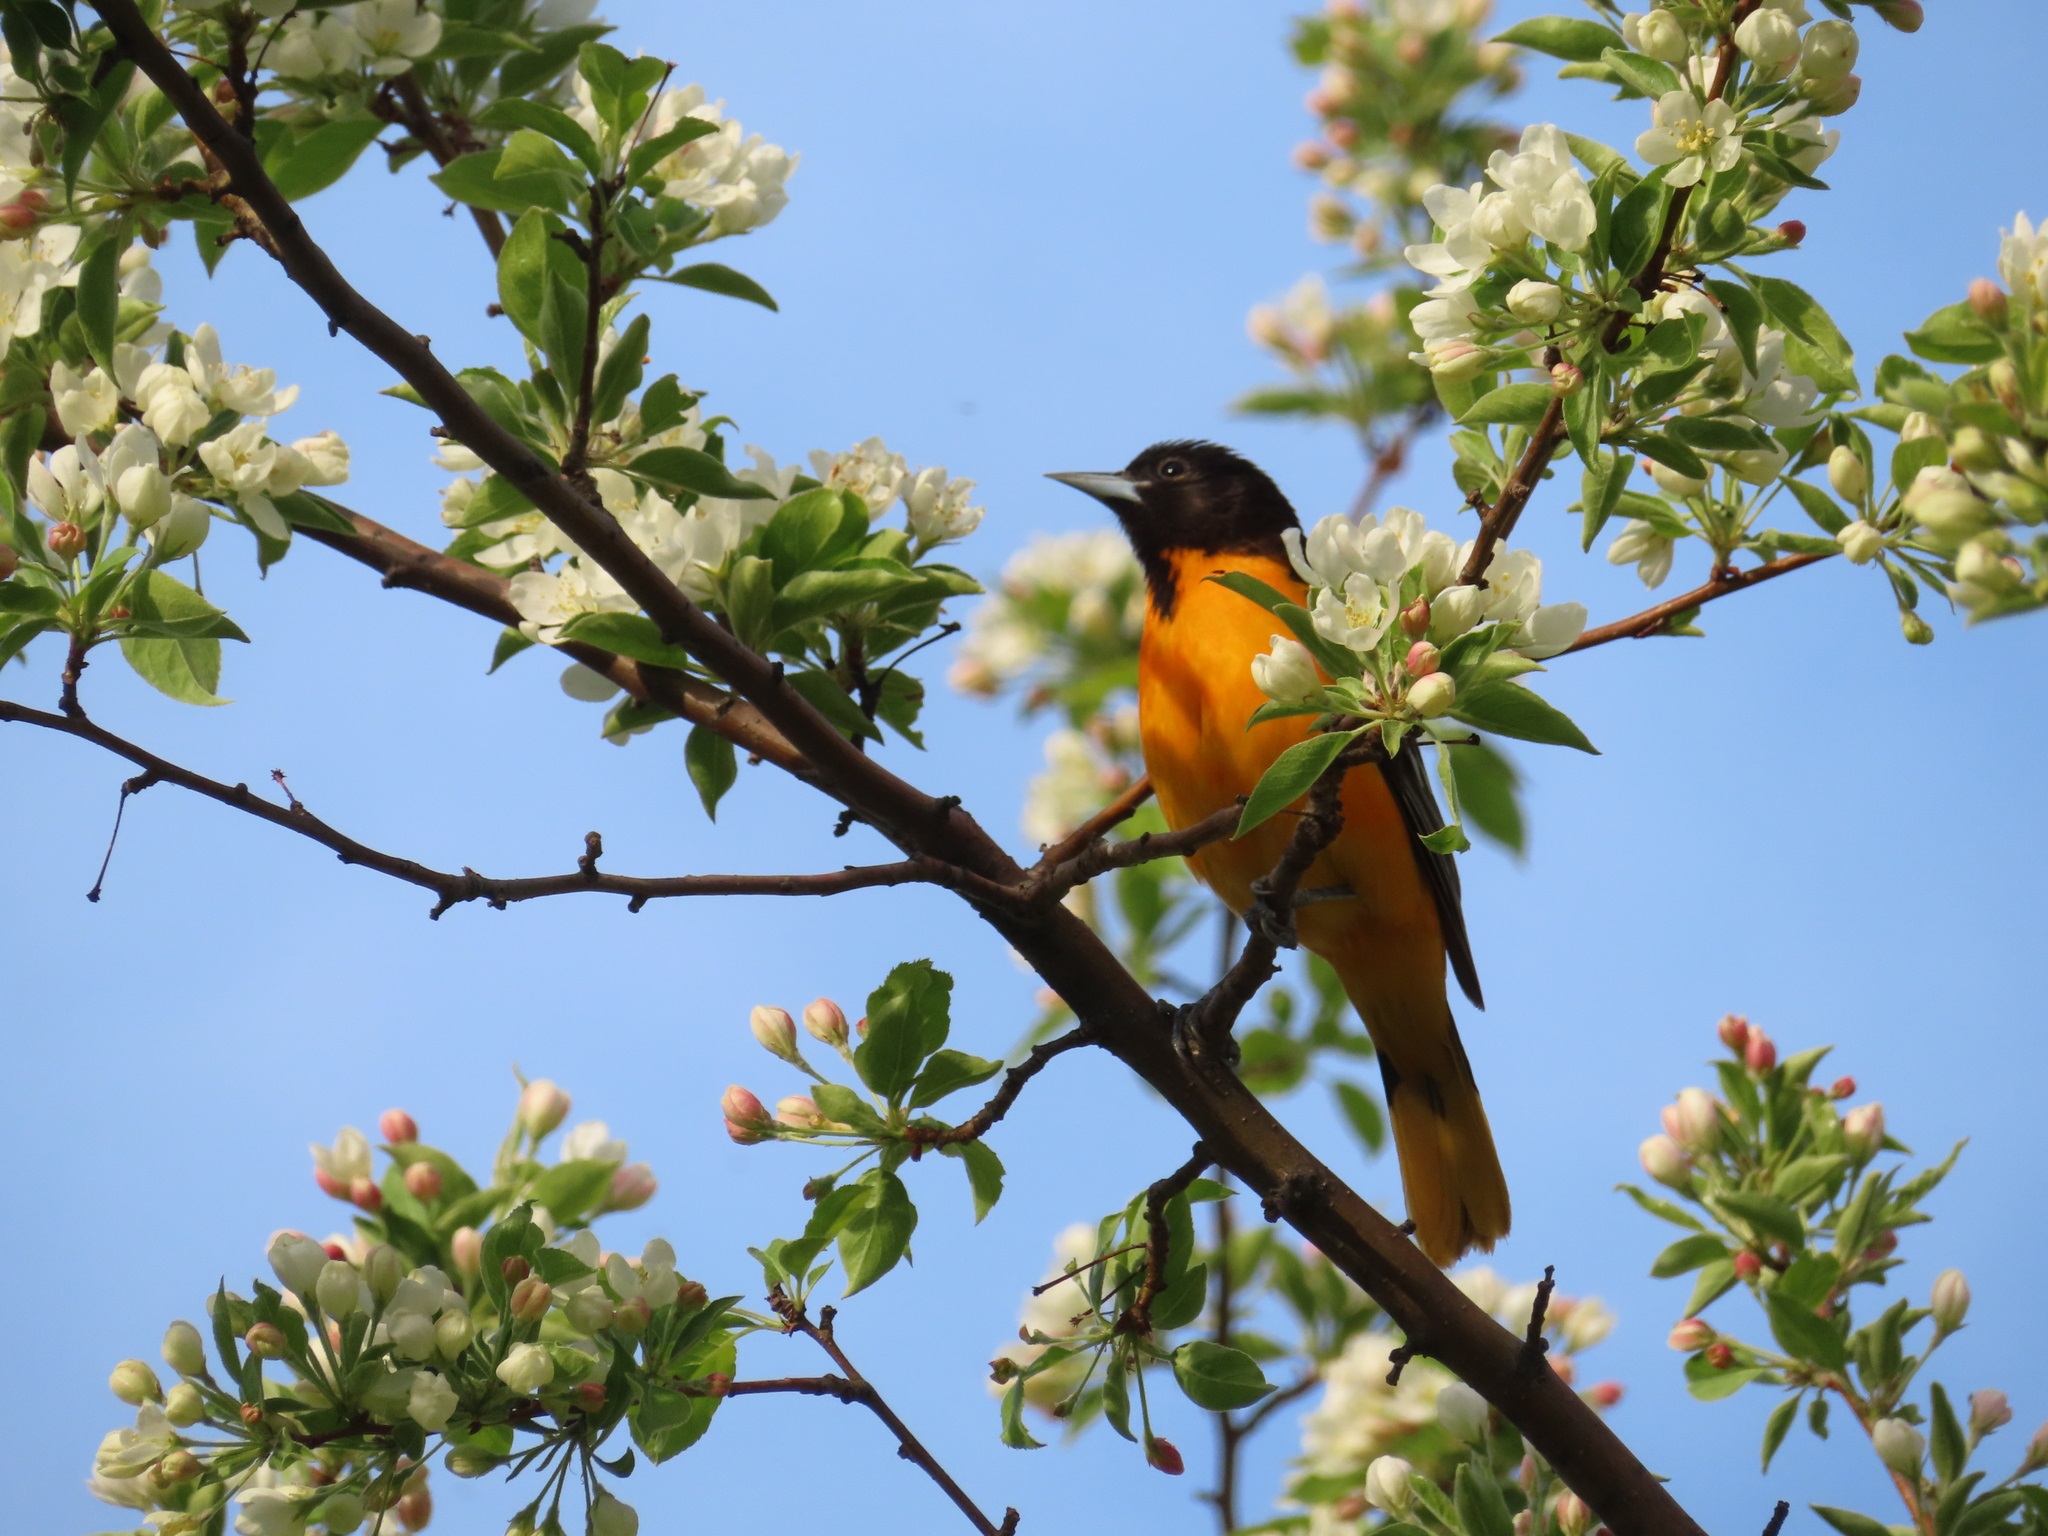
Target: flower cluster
x=453 y=1313
x=373 y=38
x=1066 y=613
x=736 y=177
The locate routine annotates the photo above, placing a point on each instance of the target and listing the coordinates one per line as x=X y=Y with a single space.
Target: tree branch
x=1100 y=825
x=978 y=1124
x=1137 y=1317
x=1101 y=857
x=858 y=1389
x=1651 y=621
x=1073 y=960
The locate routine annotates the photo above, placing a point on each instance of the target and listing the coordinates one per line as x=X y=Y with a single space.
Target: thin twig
x=1111 y=816
x=1651 y=621
x=860 y=1390
x=1777 y=1521
x=1101 y=857
x=978 y=1124
x=1534 y=1345
x=1137 y=1317
x=134 y=786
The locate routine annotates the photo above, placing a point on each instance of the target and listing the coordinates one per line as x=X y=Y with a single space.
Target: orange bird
x=1193 y=510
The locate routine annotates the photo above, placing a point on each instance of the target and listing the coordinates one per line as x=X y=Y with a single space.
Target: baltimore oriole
x=1192 y=510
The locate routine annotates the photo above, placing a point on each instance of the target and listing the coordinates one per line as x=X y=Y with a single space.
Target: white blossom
x=431 y=1401
x=1287 y=672
x=937 y=508
x=395 y=32
x=1690 y=138
x=526 y=1368
x=85 y=403
x=28 y=270
x=2023 y=260
x=1548 y=194
x=67 y=484
x=1457 y=259
x=312 y=46
x=592 y=1141
x=738 y=178
x=867 y=469
x=1642 y=546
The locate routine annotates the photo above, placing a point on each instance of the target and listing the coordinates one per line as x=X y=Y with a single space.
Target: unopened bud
x=384 y=1271
x=250 y=1414
x=1916 y=629
x=515 y=1269
x=471 y=1462
x=184 y=1404
x=2004 y=380
x=717 y=1384
x=1565 y=379
x=1605 y=1394
x=184 y=1351
x=135 y=1383
x=1462 y=1413
x=530 y=1298
x=1694 y=1122
x=1720 y=1356
x=364 y=1194
x=467 y=1249
x=1988 y=299
x=1574 y=1517
x=1831 y=98
x=1747 y=1265
x=826 y=1022
x=1665 y=1161
x=10 y=561
x=1415 y=619
x=396 y=1126
x=339 y=1289
x=632 y=1187
x=775 y=1032
x=1950 y=1301
x=1792 y=231
x=860 y=1026
x=1422 y=659
x=542 y=1107
x=1432 y=694
x=1311 y=155
x=1899 y=1446
x=266 y=1341
x=632 y=1315
x=66 y=540
x=745 y=1117
x=799 y=1112
x=1390 y=1485
x=588 y=1396
x=1535 y=303
x=1863 y=1130
x=1759 y=1054
x=416 y=1509
x=1164 y=1455
x=691 y=1295
x=1842 y=1088
x=181 y=1466
x=423 y=1181
x=1976 y=450
x=1989 y=1410
x=1691 y=1336
x=452 y=1332
x=2037 y=1451
x=1904 y=15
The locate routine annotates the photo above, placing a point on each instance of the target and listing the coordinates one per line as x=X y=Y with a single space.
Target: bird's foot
x=1198 y=1043
x=1268 y=921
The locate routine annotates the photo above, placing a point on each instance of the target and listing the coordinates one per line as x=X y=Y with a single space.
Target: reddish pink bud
x=396 y=1126
x=530 y=1298
x=10 y=561
x=423 y=1180
x=20 y=216
x=589 y=1396
x=251 y=1413
x=364 y=1194
x=1318 y=102
x=329 y=1184
x=1423 y=659
x=632 y=1187
x=1759 y=1055
x=1605 y=1394
x=1164 y=1455
x=1747 y=1265
x=1562 y=1365
x=334 y=1250
x=1415 y=619
x=1988 y=300
x=1691 y=1335
x=691 y=1295
x=1863 y=1129
x=1342 y=132
x=515 y=1269
x=1720 y=1356
x=861 y=1026
x=467 y=1248
x=1842 y=1088
x=1792 y=231
x=1734 y=1031
x=66 y=540
x=1311 y=156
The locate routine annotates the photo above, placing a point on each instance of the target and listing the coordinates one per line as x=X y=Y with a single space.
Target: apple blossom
x=1690 y=138
x=184 y=1404
x=431 y=1402
x=1463 y=1413
x=134 y=1383
x=1657 y=33
x=1536 y=302
x=1432 y=695
x=183 y=1349
x=542 y=1107
x=526 y=1368
x=181 y=530
x=1771 y=39
x=297 y=1261
x=1389 y=1485
x=1287 y=673
x=1641 y=545
x=611 y=1517
x=1665 y=1161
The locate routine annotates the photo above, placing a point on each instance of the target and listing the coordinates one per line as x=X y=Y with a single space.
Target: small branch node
x=593 y=850
x=1534 y=1345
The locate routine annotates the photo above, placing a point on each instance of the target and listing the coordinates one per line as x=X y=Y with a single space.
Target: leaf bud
x=1842 y=1088
x=1848 y=475
x=611 y=1517
x=775 y=1032
x=589 y=1310
x=1863 y=1130
x=396 y=1126
x=423 y=1182
x=589 y=1396
x=339 y=1288
x=717 y=1384
x=452 y=1333
x=66 y=540
x=1390 y=1485
x=1574 y=1517
x=1989 y=1410
x=1950 y=1301
x=184 y=1350
x=632 y=1315
x=826 y=1022
x=135 y=1383
x=266 y=1341
x=1164 y=1455
x=1433 y=694
x=1691 y=1335
x=1988 y=300
x=1720 y=1356
x=1462 y=1412
x=364 y=1194
x=1899 y=1446
x=1415 y=619
x=530 y=1298
x=384 y=1270
x=184 y=1404
x=1901 y=15
x=633 y=1185
x=1665 y=1161
x=1759 y=1054
x=10 y=561
x=542 y=1107
x=1916 y=629
x=1734 y=1031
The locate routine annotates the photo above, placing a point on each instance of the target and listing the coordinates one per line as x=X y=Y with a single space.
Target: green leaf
x=838 y=1102
x=1744 y=314
x=1711 y=435
x=1606 y=477
x=822 y=691
x=1217 y=1377
x=1647 y=76
x=1956 y=334
x=534 y=164
x=1562 y=37
x=571 y=1190
x=1669 y=452
x=815 y=594
x=665 y=1423
x=713 y=766
x=1488 y=794
x=1291 y=775
x=909 y=1016
x=1362 y=1112
x=619 y=374
x=1945 y=1442
x=1015 y=1435
x=1765 y=1214
x=523 y=273
x=1482 y=1511
x=1664 y=1210
x=649 y=153
x=1804 y=1334
x=1801 y=314
x=1819 y=506
x=522 y=112
x=1509 y=709
x=1849 y=1522
x=304 y=163
x=473 y=179
x=19 y=597
x=165 y=608
x=99 y=299
x=1687 y=1254
x=984 y=1173
x=877 y=1235
x=947 y=1072
x=632 y=635
x=690 y=469
x=1638 y=223
x=1513 y=404
x=186 y=670
x=1777 y=1426
x=1709 y=1384
x=713 y=277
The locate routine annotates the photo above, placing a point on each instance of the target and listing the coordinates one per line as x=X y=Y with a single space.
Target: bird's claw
x=1269 y=922
x=1201 y=1048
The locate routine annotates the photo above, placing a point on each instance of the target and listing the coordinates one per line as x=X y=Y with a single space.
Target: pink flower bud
x=632 y=1315
x=1665 y=1161
x=1734 y=1032
x=515 y=1269
x=1989 y=1410
x=329 y=1184
x=1747 y=1265
x=589 y=1396
x=334 y=1250
x=467 y=1249
x=423 y=1181
x=826 y=1022
x=1841 y=1088
x=1759 y=1055
x=542 y=1107
x=1422 y=659
x=1691 y=1336
x=691 y=1295
x=775 y=1032
x=416 y=1509
x=66 y=540
x=1562 y=1365
x=717 y=1384
x=1565 y=379
x=1342 y=132
x=364 y=1194
x=396 y=1126
x=1951 y=1300
x=1792 y=231
x=251 y=1414
x=2037 y=1451
x=860 y=1026
x=1574 y=1518
x=1863 y=1130
x=1164 y=1455
x=745 y=1118
x=1311 y=156
x=1432 y=694
x=1988 y=299
x=1605 y=1394
x=530 y=1298
x=265 y=1340
x=632 y=1187
x=10 y=561
x=799 y=1112
x=1720 y=1356
x=1694 y=1122
x=1415 y=619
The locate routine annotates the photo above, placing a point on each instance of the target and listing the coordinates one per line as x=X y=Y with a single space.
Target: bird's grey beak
x=1109 y=489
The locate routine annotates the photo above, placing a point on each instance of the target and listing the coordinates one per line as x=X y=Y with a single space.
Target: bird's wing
x=1409 y=782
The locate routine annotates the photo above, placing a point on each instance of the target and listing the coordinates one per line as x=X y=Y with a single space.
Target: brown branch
x=1777 y=1520
x=1111 y=816
x=416 y=114
x=1534 y=1345
x=454 y=889
x=1101 y=857
x=1137 y=1317
x=983 y=1120
x=858 y=1389
x=1651 y=621
x=1073 y=960
x=575 y=463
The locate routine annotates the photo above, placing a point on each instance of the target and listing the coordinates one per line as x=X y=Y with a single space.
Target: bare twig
x=978 y=1124
x=1534 y=1345
x=1651 y=621
x=1777 y=1520
x=1137 y=1317
x=858 y=1389
x=1100 y=825
x=1101 y=857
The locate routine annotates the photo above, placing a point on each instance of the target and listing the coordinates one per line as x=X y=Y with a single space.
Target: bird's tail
x=1450 y=1173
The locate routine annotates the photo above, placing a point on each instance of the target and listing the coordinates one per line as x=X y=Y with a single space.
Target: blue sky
x=1021 y=239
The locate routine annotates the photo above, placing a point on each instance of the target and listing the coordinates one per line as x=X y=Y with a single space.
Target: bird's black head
x=1190 y=496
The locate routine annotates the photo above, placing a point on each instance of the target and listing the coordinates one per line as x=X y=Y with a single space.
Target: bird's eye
x=1172 y=469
